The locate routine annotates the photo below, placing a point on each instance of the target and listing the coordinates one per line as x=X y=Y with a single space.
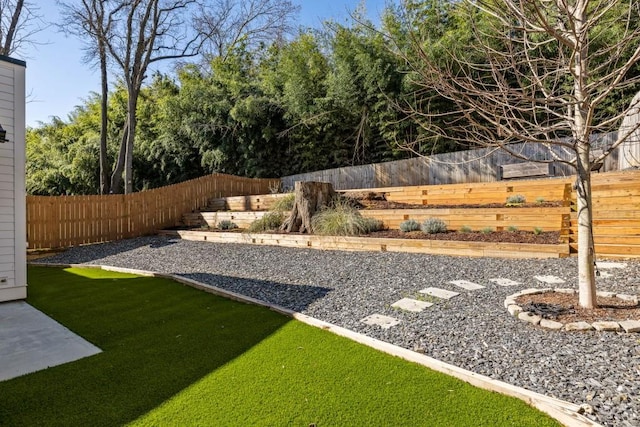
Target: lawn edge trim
x=565 y=412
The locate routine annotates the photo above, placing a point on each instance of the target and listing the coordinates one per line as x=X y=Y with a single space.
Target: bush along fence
x=65 y=221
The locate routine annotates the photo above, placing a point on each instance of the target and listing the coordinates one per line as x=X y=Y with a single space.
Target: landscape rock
x=578 y=326
x=551 y=324
x=514 y=310
x=529 y=317
x=630 y=325
x=606 y=326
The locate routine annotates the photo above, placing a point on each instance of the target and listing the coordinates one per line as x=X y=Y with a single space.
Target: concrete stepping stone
x=385 y=322
x=608 y=265
x=410 y=304
x=504 y=282
x=465 y=284
x=552 y=280
x=439 y=293
x=605 y=274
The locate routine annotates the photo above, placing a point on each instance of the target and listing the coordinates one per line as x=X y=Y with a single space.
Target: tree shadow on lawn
x=157 y=337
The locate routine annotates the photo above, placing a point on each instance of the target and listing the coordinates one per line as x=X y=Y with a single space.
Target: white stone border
x=514 y=309
x=567 y=413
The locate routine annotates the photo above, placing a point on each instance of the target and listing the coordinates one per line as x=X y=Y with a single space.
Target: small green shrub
x=270 y=221
x=284 y=204
x=373 y=224
x=512 y=228
x=465 y=229
x=225 y=224
x=409 y=225
x=433 y=226
x=339 y=220
x=515 y=200
x=487 y=230
x=537 y=231
x=540 y=200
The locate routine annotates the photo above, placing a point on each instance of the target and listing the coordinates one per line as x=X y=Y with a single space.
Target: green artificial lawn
x=176 y=356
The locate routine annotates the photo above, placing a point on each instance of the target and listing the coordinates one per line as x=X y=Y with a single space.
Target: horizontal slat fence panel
x=556 y=189
x=616 y=214
x=65 y=221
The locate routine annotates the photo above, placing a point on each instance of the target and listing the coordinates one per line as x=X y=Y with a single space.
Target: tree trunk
x=105 y=186
x=132 y=120
x=116 y=177
x=586 y=273
x=310 y=197
x=581 y=133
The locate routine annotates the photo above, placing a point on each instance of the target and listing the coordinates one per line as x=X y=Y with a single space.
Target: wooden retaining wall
x=499 y=219
x=436 y=247
x=616 y=215
x=261 y=202
x=616 y=199
x=65 y=221
x=556 y=189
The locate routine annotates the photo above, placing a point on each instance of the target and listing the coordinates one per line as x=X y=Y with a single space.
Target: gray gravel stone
x=473 y=330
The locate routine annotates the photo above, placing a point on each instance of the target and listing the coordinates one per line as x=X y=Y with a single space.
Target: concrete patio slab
x=465 y=284
x=410 y=304
x=30 y=341
x=501 y=281
x=439 y=293
x=385 y=322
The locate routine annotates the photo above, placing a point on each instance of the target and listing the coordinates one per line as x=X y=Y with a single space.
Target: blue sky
x=58 y=80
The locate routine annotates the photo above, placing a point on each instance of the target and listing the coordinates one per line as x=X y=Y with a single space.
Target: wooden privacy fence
x=477 y=165
x=65 y=221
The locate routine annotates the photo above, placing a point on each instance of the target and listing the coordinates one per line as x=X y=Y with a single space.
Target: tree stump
x=310 y=197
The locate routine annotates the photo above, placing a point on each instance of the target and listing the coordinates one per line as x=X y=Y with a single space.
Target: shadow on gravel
x=95 y=252
x=294 y=297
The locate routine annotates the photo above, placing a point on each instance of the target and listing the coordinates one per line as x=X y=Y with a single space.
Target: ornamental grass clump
x=340 y=219
x=433 y=226
x=409 y=226
x=284 y=204
x=465 y=229
x=227 y=225
x=269 y=222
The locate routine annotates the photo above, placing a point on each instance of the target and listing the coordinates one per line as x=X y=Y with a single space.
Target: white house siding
x=13 y=276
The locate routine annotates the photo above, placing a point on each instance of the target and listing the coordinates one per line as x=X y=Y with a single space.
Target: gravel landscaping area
x=472 y=330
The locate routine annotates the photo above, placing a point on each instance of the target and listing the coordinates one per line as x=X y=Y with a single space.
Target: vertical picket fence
x=66 y=221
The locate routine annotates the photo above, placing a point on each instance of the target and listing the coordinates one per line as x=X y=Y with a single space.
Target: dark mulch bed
x=612 y=309
x=372 y=200
x=544 y=238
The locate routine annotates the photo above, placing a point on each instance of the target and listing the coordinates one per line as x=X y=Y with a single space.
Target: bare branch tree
x=20 y=21
x=226 y=22
x=149 y=31
x=92 y=22
x=539 y=72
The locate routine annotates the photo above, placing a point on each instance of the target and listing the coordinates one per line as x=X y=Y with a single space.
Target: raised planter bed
x=525 y=218
x=439 y=247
